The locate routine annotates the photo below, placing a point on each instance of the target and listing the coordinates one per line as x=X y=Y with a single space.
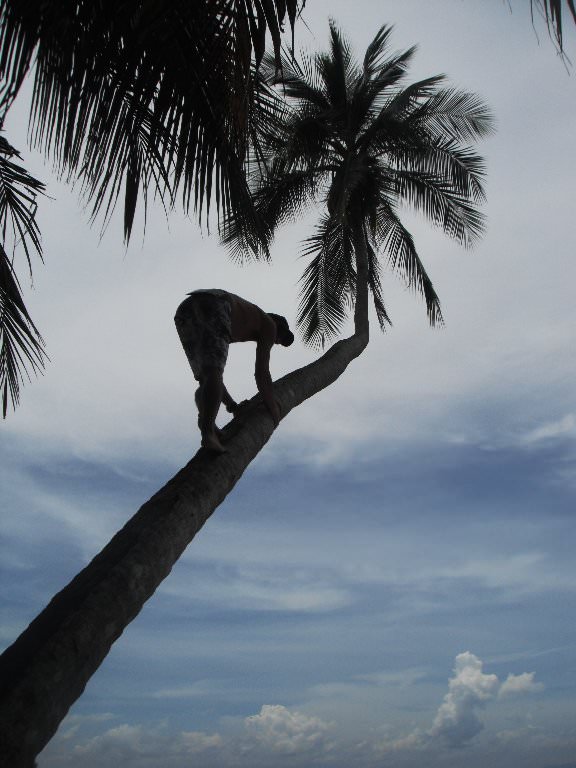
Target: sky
x=391 y=584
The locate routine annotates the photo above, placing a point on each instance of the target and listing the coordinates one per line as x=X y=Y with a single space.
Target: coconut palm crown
x=355 y=138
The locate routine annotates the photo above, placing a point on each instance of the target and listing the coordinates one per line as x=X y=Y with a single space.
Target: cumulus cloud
x=458 y=719
x=519 y=684
x=280 y=730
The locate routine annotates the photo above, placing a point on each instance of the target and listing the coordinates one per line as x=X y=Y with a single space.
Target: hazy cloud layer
x=278 y=733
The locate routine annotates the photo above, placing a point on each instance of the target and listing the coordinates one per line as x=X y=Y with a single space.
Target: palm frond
x=552 y=11
x=383 y=79
x=337 y=70
x=443 y=204
x=18 y=194
x=445 y=160
x=180 y=72
x=374 y=87
x=375 y=286
x=299 y=82
x=327 y=282
x=21 y=346
x=388 y=127
x=374 y=56
x=278 y=198
x=454 y=113
x=398 y=243
x=132 y=159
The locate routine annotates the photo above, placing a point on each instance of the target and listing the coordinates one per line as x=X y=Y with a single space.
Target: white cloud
x=519 y=684
x=458 y=720
x=269 y=586
x=119 y=742
x=197 y=690
x=128 y=745
x=281 y=730
x=275 y=731
x=522 y=570
x=401 y=679
x=563 y=427
x=269 y=597
x=198 y=741
x=73 y=723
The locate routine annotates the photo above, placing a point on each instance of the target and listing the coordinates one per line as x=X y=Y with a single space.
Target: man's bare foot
x=211 y=443
x=217 y=431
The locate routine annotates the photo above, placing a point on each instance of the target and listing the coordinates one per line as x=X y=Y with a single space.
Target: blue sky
x=391 y=584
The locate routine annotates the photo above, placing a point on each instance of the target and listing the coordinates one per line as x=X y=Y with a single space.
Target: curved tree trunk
x=47 y=668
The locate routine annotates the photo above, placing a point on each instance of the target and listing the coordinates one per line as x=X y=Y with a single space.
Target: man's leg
x=208 y=399
x=198 y=400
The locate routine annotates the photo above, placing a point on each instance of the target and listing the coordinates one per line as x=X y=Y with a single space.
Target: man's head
x=284 y=335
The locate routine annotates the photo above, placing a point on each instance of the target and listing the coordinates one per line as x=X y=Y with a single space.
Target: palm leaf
x=21 y=346
x=327 y=282
x=551 y=10
x=337 y=70
x=184 y=68
x=388 y=128
x=375 y=285
x=374 y=56
x=442 y=204
x=299 y=82
x=18 y=193
x=454 y=113
x=398 y=243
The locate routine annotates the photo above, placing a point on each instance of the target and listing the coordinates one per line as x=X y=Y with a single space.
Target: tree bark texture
x=48 y=666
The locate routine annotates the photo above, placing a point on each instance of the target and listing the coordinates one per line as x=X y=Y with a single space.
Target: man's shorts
x=203 y=322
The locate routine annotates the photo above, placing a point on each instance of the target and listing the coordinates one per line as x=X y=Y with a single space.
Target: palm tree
x=136 y=98
x=354 y=138
x=418 y=131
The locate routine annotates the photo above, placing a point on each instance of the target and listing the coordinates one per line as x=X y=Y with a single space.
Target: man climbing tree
x=207 y=322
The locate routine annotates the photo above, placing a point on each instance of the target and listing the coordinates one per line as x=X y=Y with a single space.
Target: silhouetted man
x=207 y=322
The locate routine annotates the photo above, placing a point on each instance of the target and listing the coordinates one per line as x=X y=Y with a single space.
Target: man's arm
x=262 y=373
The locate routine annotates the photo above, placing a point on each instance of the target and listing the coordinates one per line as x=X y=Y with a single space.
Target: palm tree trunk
x=48 y=666
x=361 y=305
